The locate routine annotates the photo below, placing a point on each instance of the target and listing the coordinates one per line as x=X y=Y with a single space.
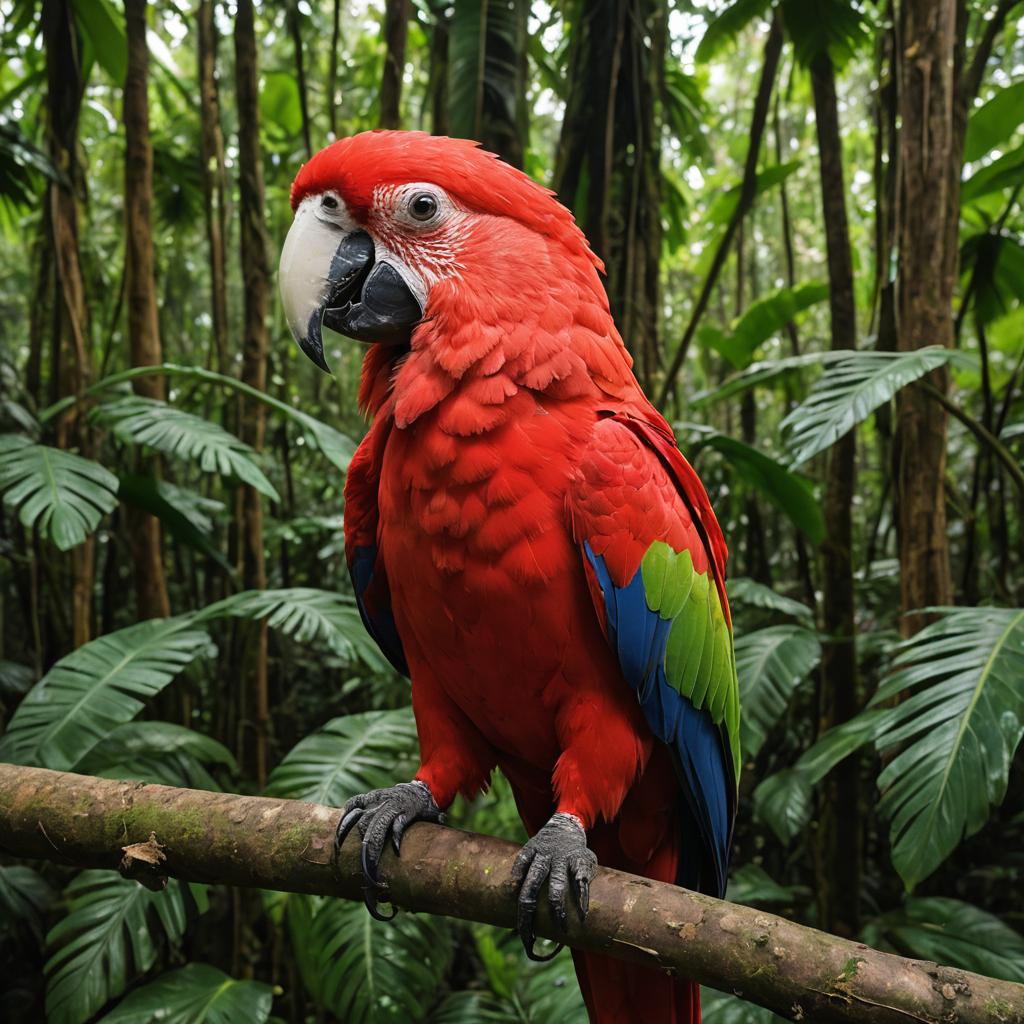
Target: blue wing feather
x=639 y=637
x=375 y=607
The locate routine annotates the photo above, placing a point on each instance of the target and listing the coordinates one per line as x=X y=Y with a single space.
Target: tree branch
x=150 y=831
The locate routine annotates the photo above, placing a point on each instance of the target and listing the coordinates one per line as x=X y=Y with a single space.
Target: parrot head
x=392 y=229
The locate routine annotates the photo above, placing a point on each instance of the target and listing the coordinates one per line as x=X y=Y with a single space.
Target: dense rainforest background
x=811 y=218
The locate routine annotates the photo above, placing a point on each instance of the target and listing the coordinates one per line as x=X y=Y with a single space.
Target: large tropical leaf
x=791 y=493
x=995 y=121
x=751 y=884
x=113 y=932
x=61 y=495
x=723 y=1008
x=771 y=663
x=723 y=206
x=747 y=593
x=727 y=25
x=1002 y=173
x=763 y=318
x=24 y=897
x=783 y=800
x=956 y=732
x=348 y=755
x=138 y=420
x=309 y=616
x=950 y=932
x=160 y=752
x=97 y=687
x=362 y=973
x=767 y=371
x=195 y=994
x=849 y=391
x=835 y=27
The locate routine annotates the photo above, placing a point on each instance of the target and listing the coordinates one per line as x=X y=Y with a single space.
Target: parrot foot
x=558 y=853
x=378 y=814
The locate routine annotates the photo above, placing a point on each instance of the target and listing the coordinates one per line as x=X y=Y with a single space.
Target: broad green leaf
x=849 y=391
x=771 y=663
x=160 y=752
x=994 y=121
x=955 y=733
x=768 y=371
x=112 y=933
x=765 y=317
x=24 y=898
x=724 y=204
x=727 y=25
x=723 y=1008
x=995 y=262
x=747 y=593
x=364 y=974
x=349 y=755
x=61 y=495
x=751 y=884
x=835 y=27
x=195 y=994
x=791 y=493
x=280 y=103
x=1005 y=172
x=102 y=25
x=15 y=679
x=948 y=931
x=180 y=434
x=309 y=616
x=97 y=687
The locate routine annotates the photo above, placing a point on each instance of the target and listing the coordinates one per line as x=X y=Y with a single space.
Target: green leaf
x=835 y=27
x=996 y=265
x=97 y=687
x=746 y=592
x=24 y=897
x=280 y=103
x=791 y=493
x=113 y=932
x=308 y=616
x=349 y=755
x=724 y=204
x=948 y=931
x=771 y=663
x=956 y=732
x=103 y=28
x=15 y=679
x=751 y=884
x=726 y=26
x=722 y=1008
x=994 y=122
x=994 y=177
x=766 y=317
x=161 y=752
x=61 y=495
x=195 y=994
x=362 y=973
x=768 y=371
x=850 y=390
x=137 y=420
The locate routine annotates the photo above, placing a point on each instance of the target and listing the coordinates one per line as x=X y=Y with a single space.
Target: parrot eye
x=423 y=207
x=329 y=202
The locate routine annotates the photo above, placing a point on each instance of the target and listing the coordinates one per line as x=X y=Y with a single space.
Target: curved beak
x=333 y=277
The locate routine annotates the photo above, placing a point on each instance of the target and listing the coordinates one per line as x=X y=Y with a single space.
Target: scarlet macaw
x=524 y=538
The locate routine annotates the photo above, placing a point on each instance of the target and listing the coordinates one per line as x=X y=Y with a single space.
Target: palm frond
x=24 y=897
x=748 y=593
x=57 y=493
x=956 y=732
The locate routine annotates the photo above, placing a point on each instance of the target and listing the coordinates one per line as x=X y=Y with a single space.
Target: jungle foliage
x=831 y=317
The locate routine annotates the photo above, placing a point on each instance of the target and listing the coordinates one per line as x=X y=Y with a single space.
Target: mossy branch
x=149 y=832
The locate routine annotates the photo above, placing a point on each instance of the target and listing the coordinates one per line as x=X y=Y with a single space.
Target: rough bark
x=748 y=189
x=256 y=286
x=214 y=185
x=929 y=151
x=71 y=364
x=839 y=835
x=396 y=29
x=143 y=329
x=150 y=832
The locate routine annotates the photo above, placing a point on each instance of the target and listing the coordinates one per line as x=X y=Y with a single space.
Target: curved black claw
x=558 y=853
x=378 y=814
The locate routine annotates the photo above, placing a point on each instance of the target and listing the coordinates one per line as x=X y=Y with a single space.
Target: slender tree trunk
x=839 y=836
x=256 y=282
x=332 y=69
x=71 y=366
x=437 y=85
x=929 y=149
x=396 y=29
x=212 y=151
x=295 y=28
x=143 y=331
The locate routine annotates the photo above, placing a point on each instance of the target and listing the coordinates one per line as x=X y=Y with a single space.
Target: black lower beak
x=368 y=301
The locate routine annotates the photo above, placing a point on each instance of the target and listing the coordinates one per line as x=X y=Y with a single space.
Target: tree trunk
x=396 y=29
x=143 y=331
x=256 y=283
x=295 y=29
x=929 y=184
x=839 y=835
x=437 y=84
x=149 y=832
x=212 y=153
x=71 y=365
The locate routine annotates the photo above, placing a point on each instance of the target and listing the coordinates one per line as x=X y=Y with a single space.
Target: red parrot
x=525 y=540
